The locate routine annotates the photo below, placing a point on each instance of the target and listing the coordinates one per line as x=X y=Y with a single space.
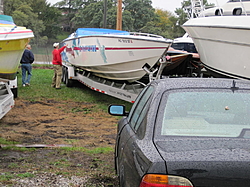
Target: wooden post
x=119 y=15
x=1 y=6
x=104 y=14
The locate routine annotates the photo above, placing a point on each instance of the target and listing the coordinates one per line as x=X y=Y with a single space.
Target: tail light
x=156 y=180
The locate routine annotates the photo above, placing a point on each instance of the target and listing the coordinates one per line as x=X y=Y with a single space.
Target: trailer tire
x=68 y=82
x=14 y=91
x=63 y=74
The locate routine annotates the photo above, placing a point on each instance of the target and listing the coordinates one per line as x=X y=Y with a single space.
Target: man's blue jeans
x=26 y=71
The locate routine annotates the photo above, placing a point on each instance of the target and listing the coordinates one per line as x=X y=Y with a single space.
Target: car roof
x=175 y=83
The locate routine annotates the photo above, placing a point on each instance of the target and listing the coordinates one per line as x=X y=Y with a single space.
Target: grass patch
x=98 y=150
x=14 y=148
x=4 y=177
x=41 y=89
x=6 y=142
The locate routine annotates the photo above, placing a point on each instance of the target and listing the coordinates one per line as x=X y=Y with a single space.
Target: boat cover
x=6 y=20
x=98 y=31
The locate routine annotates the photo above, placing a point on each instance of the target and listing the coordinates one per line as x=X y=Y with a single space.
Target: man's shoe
x=27 y=84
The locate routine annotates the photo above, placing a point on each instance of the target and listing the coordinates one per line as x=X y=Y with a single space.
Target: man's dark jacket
x=28 y=57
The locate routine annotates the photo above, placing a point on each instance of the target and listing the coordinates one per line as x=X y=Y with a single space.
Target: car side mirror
x=117 y=110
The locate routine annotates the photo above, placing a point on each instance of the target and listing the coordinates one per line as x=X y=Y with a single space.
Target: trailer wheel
x=14 y=91
x=68 y=82
x=63 y=74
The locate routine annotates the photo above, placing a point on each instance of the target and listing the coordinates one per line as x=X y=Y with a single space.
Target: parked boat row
x=222 y=43
x=13 y=40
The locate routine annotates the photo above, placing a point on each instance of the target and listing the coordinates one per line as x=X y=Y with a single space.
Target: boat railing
x=145 y=34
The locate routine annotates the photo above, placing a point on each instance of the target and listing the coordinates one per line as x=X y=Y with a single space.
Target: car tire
x=219 y=12
x=237 y=11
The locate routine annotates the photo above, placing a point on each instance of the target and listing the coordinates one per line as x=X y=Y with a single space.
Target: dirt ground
x=57 y=124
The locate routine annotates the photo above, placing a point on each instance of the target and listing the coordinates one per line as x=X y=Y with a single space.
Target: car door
x=127 y=148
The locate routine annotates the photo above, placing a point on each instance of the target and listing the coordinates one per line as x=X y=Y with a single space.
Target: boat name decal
x=89 y=48
x=125 y=41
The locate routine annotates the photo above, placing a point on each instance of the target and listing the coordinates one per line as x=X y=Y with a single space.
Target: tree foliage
x=141 y=11
x=137 y=15
x=47 y=21
x=37 y=15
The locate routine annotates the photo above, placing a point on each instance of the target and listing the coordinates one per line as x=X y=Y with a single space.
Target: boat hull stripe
x=16 y=32
x=122 y=48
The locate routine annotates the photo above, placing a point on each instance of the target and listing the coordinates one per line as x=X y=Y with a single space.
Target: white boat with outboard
x=114 y=54
x=13 y=40
x=232 y=7
x=223 y=44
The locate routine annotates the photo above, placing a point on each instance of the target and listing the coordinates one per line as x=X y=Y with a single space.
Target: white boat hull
x=223 y=43
x=114 y=57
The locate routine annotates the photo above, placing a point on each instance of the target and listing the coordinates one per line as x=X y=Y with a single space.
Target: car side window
x=140 y=109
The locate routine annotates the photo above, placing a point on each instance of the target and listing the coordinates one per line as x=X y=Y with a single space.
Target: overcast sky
x=169 y=5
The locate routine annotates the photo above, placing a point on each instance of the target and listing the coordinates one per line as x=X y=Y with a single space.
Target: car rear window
x=223 y=113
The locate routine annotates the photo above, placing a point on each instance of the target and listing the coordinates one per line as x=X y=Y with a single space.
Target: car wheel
x=219 y=12
x=237 y=11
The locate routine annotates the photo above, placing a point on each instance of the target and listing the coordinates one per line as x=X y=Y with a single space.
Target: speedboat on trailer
x=223 y=44
x=13 y=40
x=114 y=54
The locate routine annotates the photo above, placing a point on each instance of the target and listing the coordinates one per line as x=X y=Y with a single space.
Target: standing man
x=57 y=65
x=26 y=61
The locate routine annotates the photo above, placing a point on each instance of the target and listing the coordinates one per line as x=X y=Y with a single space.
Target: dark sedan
x=185 y=132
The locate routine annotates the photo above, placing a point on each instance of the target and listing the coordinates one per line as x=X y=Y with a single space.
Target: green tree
x=50 y=16
x=90 y=16
x=70 y=9
x=24 y=15
x=36 y=15
x=141 y=11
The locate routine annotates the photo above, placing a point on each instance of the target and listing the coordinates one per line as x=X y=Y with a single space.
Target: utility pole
x=104 y=14
x=119 y=15
x=1 y=6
